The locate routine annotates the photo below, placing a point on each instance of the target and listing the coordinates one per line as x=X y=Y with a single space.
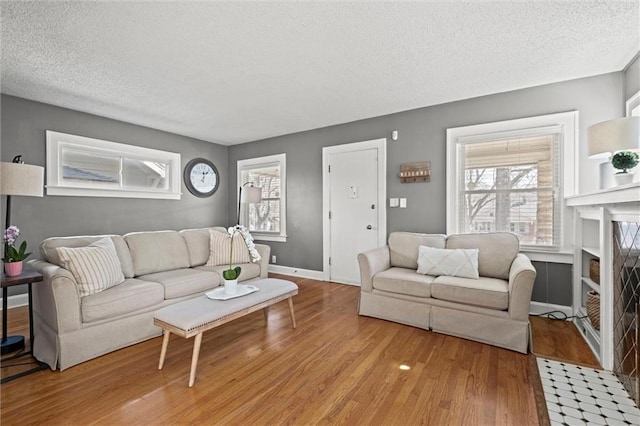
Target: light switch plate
x=393 y=202
x=403 y=203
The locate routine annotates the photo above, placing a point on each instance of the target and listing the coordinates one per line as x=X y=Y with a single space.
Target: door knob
x=369 y=227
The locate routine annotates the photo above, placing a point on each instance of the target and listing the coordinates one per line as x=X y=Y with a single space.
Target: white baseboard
x=536 y=308
x=297 y=272
x=16 y=301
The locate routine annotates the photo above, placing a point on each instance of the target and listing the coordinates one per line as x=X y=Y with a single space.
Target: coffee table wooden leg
x=194 y=358
x=163 y=351
x=265 y=311
x=293 y=315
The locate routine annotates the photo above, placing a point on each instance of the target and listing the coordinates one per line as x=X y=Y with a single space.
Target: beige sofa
x=493 y=309
x=160 y=268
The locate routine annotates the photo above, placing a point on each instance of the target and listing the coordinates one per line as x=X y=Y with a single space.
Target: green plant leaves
x=231 y=274
x=13 y=255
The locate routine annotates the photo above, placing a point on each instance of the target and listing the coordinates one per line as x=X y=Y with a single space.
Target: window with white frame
x=88 y=167
x=265 y=220
x=509 y=177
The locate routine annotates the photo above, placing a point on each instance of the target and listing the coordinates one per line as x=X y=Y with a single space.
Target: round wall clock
x=201 y=177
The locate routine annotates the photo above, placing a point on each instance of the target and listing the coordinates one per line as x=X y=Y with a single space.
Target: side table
x=16 y=343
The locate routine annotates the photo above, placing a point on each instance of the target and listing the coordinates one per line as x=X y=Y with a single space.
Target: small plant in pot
x=623 y=161
x=13 y=256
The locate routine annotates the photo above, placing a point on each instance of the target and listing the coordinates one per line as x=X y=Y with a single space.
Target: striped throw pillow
x=95 y=267
x=220 y=246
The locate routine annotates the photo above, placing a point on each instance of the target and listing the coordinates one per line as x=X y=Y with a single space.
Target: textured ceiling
x=236 y=72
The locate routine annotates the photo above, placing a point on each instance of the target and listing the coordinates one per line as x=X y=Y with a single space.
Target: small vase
x=13 y=269
x=623 y=178
x=230 y=286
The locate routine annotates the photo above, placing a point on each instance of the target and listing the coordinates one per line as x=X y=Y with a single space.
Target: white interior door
x=356 y=207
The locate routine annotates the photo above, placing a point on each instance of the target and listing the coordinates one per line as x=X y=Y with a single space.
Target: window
x=508 y=177
x=81 y=166
x=265 y=220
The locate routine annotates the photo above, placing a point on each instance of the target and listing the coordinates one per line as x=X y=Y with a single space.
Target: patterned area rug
x=577 y=395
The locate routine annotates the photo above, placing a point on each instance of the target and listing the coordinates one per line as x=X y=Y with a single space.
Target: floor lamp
x=249 y=195
x=17 y=178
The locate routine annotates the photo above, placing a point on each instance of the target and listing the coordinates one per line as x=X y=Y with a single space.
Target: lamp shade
x=252 y=194
x=621 y=134
x=21 y=179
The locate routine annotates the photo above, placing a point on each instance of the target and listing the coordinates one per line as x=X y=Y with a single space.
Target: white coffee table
x=195 y=316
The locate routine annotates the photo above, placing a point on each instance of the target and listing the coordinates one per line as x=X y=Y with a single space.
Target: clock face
x=201 y=177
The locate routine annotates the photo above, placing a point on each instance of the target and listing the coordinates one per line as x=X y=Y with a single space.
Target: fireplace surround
x=607 y=228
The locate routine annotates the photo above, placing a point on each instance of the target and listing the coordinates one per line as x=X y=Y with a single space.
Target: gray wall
x=632 y=78
x=422 y=136
x=23 y=132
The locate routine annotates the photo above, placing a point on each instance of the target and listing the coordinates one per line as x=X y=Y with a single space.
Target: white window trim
x=632 y=102
x=568 y=173
x=263 y=161
x=56 y=185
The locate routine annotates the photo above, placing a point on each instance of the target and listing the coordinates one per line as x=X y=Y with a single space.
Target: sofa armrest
x=265 y=254
x=521 y=277
x=371 y=262
x=56 y=300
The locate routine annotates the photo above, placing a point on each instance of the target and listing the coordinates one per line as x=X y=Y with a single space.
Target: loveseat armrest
x=521 y=277
x=56 y=300
x=371 y=262
x=265 y=254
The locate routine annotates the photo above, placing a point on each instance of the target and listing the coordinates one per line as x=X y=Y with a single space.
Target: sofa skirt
x=503 y=332
x=396 y=310
x=498 y=331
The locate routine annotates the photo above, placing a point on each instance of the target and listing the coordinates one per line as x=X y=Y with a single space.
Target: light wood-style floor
x=335 y=368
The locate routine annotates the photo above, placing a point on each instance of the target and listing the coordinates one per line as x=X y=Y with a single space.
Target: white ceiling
x=237 y=72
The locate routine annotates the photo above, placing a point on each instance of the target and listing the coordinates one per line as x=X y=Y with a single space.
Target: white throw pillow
x=95 y=267
x=454 y=263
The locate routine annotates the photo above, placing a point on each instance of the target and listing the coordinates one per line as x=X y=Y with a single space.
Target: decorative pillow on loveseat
x=95 y=267
x=452 y=262
x=220 y=247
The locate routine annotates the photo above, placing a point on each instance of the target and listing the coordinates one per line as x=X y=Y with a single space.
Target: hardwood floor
x=336 y=367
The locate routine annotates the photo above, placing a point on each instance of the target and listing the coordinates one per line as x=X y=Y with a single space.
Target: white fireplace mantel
x=593 y=216
x=618 y=195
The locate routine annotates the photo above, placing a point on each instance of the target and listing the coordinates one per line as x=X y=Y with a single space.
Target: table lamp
x=609 y=137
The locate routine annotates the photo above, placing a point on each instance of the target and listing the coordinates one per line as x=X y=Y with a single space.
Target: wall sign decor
x=201 y=177
x=87 y=167
x=415 y=172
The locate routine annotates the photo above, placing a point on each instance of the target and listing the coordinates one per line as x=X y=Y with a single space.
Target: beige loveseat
x=160 y=268
x=493 y=309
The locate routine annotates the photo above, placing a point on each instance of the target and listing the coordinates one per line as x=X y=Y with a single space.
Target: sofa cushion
x=95 y=267
x=455 y=263
x=130 y=296
x=403 y=247
x=497 y=251
x=489 y=293
x=220 y=249
x=184 y=282
x=50 y=254
x=157 y=251
x=198 y=243
x=403 y=281
x=248 y=270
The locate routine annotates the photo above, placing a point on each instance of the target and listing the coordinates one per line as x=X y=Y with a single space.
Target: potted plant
x=623 y=161
x=13 y=257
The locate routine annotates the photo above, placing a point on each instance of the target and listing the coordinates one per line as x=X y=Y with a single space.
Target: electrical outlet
x=273 y=259
x=403 y=203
